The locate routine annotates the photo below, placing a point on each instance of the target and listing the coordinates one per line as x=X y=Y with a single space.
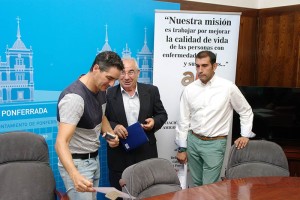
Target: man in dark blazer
x=127 y=103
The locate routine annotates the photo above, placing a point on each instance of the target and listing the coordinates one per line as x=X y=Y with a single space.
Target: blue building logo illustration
x=16 y=73
x=144 y=58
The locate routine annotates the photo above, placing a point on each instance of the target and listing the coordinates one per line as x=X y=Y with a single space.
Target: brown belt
x=208 y=138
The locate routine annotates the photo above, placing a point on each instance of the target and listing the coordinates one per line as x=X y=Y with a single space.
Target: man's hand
x=121 y=131
x=241 y=142
x=82 y=184
x=113 y=142
x=149 y=124
x=181 y=157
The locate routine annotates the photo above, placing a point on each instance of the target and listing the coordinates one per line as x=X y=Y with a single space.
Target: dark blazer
x=150 y=106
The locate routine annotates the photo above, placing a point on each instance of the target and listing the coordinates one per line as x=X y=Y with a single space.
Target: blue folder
x=136 y=137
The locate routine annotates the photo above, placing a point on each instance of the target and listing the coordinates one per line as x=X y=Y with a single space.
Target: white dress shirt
x=207 y=109
x=131 y=106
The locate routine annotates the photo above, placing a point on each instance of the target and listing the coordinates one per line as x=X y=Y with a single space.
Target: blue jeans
x=90 y=169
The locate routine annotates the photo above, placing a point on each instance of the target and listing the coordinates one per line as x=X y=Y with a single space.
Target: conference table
x=254 y=188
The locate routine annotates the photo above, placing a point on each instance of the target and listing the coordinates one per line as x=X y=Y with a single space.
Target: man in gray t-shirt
x=80 y=113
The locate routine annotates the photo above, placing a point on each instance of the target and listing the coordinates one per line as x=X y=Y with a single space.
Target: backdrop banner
x=41 y=56
x=178 y=37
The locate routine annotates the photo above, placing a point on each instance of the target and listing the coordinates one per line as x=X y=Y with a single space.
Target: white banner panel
x=178 y=37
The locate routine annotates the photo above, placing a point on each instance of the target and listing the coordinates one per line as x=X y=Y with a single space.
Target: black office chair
x=258 y=158
x=151 y=177
x=25 y=173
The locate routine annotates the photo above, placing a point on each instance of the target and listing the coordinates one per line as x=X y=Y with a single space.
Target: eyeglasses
x=130 y=73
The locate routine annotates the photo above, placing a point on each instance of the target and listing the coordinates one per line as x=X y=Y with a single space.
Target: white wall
x=276 y=3
x=251 y=3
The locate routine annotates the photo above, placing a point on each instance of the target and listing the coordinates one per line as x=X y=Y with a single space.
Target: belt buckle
x=206 y=138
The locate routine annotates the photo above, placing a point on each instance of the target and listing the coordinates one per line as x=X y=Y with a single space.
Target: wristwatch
x=181 y=149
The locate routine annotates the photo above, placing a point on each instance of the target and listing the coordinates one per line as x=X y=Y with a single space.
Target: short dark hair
x=106 y=60
x=204 y=54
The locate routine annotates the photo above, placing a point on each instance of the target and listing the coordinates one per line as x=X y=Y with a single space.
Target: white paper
x=106 y=190
x=182 y=175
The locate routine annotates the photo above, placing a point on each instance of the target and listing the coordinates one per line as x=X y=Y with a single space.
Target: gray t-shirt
x=79 y=106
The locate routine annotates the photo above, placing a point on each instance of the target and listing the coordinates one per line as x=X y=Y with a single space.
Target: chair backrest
x=25 y=173
x=258 y=158
x=151 y=177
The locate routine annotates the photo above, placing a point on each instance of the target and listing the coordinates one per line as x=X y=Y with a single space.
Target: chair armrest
x=61 y=195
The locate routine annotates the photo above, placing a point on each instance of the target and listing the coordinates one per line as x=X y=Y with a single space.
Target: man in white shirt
x=206 y=111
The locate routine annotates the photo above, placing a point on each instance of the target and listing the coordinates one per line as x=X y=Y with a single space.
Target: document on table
x=112 y=193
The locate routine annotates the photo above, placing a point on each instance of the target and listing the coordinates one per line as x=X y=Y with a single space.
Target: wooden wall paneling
x=276 y=50
x=296 y=52
x=267 y=51
x=246 y=59
x=286 y=60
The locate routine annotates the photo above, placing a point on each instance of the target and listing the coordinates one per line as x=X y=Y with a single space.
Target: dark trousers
x=114 y=178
